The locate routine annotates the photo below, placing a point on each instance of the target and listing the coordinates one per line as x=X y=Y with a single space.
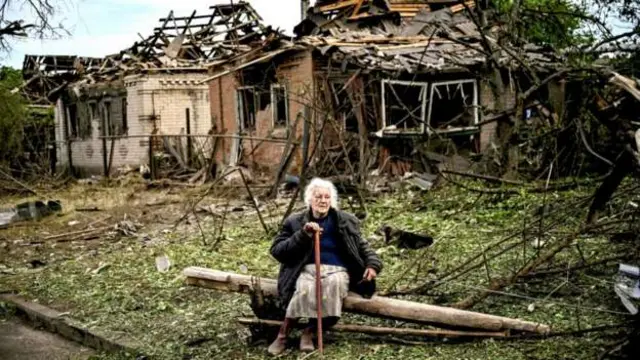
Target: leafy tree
x=544 y=22
x=13 y=115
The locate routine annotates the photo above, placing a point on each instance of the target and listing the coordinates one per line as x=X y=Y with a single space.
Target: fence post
x=189 y=140
x=152 y=162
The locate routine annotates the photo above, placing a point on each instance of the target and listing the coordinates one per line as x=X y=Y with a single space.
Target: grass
x=129 y=297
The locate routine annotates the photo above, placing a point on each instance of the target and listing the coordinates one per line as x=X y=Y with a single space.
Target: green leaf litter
x=129 y=297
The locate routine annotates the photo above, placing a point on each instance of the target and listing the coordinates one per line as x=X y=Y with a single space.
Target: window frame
x=274 y=106
x=474 y=105
x=240 y=110
x=425 y=91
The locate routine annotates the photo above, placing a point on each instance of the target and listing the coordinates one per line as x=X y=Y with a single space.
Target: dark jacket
x=293 y=248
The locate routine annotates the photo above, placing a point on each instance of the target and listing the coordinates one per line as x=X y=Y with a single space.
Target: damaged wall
x=450 y=103
x=143 y=103
x=294 y=72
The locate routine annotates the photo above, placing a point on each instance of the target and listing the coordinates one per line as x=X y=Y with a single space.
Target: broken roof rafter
x=181 y=42
x=433 y=40
x=43 y=75
x=191 y=42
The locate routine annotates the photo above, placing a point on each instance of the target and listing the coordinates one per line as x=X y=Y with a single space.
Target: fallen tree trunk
x=376 y=306
x=377 y=330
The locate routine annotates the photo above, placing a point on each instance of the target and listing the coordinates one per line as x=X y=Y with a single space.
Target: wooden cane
x=318 y=289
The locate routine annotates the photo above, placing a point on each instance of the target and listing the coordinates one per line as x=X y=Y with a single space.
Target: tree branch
x=613 y=39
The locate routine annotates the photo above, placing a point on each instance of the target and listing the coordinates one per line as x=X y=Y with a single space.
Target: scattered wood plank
x=376 y=306
x=378 y=330
x=175 y=153
x=89 y=209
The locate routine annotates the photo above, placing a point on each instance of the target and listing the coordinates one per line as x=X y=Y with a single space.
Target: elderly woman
x=347 y=263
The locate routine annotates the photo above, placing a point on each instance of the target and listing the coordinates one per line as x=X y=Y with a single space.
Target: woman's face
x=321 y=200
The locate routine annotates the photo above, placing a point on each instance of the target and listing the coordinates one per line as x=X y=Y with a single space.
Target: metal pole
x=318 y=290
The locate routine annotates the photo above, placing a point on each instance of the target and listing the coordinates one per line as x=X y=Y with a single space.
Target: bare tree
x=37 y=14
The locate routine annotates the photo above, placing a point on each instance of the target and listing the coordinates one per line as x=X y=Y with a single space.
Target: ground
x=111 y=281
x=21 y=342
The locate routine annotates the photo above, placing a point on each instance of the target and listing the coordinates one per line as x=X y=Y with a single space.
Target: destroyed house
x=361 y=84
x=365 y=81
x=149 y=99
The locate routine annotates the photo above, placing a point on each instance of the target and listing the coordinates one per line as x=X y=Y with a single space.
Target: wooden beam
x=357 y=8
x=376 y=306
x=459 y=7
x=378 y=330
x=337 y=6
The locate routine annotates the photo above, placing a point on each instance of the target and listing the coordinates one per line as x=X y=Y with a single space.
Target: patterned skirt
x=335 y=286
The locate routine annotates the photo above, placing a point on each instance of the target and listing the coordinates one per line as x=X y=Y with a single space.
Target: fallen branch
x=202 y=196
x=561 y=270
x=560 y=186
x=76 y=234
x=499 y=284
x=468 y=266
x=378 y=330
x=483 y=177
x=255 y=204
x=18 y=182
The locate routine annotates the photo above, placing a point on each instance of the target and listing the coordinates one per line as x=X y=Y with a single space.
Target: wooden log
x=379 y=330
x=376 y=306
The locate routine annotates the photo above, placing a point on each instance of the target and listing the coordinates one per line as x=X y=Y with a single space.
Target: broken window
x=280 y=105
x=72 y=114
x=344 y=108
x=403 y=106
x=93 y=110
x=115 y=121
x=250 y=101
x=454 y=106
x=106 y=119
x=83 y=119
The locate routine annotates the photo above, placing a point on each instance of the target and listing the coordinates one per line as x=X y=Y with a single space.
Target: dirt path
x=20 y=342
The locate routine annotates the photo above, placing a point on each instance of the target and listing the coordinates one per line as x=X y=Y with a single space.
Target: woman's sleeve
x=289 y=245
x=371 y=259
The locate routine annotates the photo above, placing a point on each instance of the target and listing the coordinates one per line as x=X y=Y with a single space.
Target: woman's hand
x=369 y=274
x=311 y=227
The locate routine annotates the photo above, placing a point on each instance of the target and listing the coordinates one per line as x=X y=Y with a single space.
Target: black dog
x=405 y=239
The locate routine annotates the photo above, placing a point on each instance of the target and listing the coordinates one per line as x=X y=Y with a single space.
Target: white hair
x=323 y=184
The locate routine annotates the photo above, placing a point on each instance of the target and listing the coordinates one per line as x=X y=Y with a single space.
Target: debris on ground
x=27 y=211
x=628 y=287
x=127 y=228
x=420 y=181
x=163 y=263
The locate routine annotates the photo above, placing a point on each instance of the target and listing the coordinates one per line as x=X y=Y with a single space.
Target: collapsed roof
x=226 y=31
x=180 y=43
x=387 y=35
x=45 y=75
x=411 y=36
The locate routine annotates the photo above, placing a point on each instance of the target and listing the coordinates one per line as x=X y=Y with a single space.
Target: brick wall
x=296 y=73
x=165 y=95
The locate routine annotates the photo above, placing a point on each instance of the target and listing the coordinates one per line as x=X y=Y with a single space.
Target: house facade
x=105 y=126
x=362 y=85
x=370 y=87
